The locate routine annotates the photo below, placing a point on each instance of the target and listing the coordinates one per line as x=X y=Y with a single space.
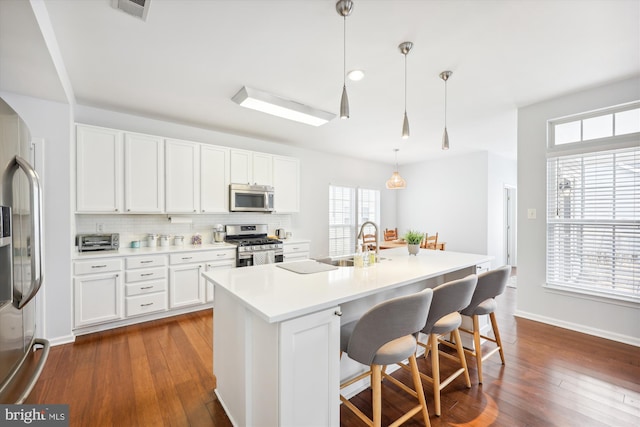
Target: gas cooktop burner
x=257 y=241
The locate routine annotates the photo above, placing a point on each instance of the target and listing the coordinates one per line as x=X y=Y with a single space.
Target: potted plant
x=413 y=239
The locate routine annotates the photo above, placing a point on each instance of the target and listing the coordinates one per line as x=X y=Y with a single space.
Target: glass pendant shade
x=396 y=182
x=445 y=139
x=405 y=126
x=344 y=104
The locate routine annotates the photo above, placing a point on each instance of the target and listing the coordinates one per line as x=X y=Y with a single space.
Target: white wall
x=597 y=316
x=460 y=198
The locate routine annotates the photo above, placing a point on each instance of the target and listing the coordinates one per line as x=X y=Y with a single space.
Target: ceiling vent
x=138 y=8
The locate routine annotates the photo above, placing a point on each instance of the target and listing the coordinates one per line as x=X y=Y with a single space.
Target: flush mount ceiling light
x=405 y=48
x=396 y=182
x=355 y=75
x=445 y=136
x=281 y=107
x=344 y=7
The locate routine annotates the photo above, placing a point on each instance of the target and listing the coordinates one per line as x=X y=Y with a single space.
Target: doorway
x=510 y=225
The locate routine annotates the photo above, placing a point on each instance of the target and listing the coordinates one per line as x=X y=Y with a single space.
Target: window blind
x=593 y=222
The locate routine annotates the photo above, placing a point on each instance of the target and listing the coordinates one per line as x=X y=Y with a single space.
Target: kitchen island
x=277 y=333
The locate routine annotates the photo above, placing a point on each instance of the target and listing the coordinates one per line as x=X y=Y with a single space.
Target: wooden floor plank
x=160 y=373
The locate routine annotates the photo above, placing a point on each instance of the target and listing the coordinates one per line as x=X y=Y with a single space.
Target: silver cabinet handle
x=146 y=274
x=146 y=262
x=187 y=257
x=99 y=266
x=35 y=196
x=146 y=287
x=221 y=254
x=338 y=313
x=146 y=305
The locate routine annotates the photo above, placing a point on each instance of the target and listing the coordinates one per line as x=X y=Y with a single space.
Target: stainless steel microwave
x=250 y=198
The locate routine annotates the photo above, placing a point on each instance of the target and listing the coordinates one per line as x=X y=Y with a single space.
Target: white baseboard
x=62 y=340
x=626 y=339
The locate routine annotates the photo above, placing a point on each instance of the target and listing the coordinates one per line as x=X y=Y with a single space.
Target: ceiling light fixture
x=445 y=136
x=405 y=48
x=396 y=182
x=281 y=107
x=355 y=75
x=344 y=8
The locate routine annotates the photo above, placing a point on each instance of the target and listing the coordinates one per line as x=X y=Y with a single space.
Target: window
x=349 y=208
x=593 y=206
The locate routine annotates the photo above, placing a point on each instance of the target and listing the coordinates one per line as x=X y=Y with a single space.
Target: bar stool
x=385 y=335
x=490 y=285
x=444 y=318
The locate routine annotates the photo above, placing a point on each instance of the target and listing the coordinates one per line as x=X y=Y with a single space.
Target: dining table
x=390 y=244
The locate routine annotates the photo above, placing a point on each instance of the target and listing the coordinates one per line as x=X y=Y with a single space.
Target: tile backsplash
x=136 y=227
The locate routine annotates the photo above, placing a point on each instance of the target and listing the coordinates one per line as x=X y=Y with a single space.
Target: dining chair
x=490 y=285
x=390 y=234
x=369 y=242
x=430 y=242
x=386 y=335
x=444 y=318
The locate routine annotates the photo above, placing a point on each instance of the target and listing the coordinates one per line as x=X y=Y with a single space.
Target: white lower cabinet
x=97 y=291
x=145 y=285
x=122 y=290
x=294 y=251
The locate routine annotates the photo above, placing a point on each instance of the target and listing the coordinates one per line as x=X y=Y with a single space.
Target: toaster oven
x=98 y=242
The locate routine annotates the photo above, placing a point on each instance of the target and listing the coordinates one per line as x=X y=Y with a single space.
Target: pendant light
x=405 y=47
x=396 y=182
x=344 y=8
x=445 y=136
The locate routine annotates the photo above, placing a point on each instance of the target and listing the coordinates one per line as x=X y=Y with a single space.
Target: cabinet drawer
x=149 y=287
x=295 y=248
x=146 y=274
x=193 y=257
x=145 y=261
x=143 y=304
x=97 y=266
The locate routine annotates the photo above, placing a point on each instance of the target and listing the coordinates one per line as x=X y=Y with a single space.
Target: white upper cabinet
x=286 y=183
x=263 y=168
x=143 y=173
x=98 y=169
x=214 y=179
x=182 y=170
x=249 y=167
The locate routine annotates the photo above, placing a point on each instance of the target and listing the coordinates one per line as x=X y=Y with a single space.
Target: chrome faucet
x=361 y=234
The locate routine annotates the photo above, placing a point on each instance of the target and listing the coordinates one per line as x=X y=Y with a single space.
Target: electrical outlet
x=99 y=227
x=531 y=213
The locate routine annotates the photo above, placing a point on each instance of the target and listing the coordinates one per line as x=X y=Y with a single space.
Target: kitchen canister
x=135 y=243
x=152 y=240
x=164 y=240
x=178 y=240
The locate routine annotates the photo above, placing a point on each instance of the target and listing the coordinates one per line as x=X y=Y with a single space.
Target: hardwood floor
x=159 y=373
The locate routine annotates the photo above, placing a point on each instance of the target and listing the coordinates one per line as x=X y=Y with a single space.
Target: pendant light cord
x=405 y=83
x=445 y=104
x=344 y=51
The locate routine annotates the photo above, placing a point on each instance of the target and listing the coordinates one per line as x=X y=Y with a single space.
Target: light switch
x=531 y=213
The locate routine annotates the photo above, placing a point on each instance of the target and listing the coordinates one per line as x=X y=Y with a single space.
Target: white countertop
x=124 y=251
x=276 y=294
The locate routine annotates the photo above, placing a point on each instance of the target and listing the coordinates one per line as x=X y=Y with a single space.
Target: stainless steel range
x=254 y=247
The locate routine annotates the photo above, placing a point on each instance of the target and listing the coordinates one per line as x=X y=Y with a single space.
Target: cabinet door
x=186 y=286
x=98 y=169
x=216 y=265
x=300 y=339
x=97 y=298
x=286 y=182
x=214 y=179
x=263 y=168
x=182 y=168
x=143 y=173
x=241 y=167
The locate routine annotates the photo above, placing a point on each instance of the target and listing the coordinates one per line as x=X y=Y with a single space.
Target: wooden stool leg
x=435 y=371
x=478 y=349
x=463 y=359
x=417 y=383
x=496 y=332
x=376 y=386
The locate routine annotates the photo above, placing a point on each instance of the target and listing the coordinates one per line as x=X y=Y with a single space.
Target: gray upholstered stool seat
x=448 y=299
x=490 y=285
x=385 y=335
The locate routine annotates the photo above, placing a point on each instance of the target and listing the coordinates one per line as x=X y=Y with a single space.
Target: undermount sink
x=340 y=262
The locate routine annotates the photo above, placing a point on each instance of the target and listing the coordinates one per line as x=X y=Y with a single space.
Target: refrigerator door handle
x=31 y=382
x=35 y=196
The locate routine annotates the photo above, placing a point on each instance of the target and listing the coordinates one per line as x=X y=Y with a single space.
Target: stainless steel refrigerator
x=20 y=261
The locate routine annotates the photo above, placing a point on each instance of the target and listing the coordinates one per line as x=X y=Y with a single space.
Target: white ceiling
x=191 y=56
